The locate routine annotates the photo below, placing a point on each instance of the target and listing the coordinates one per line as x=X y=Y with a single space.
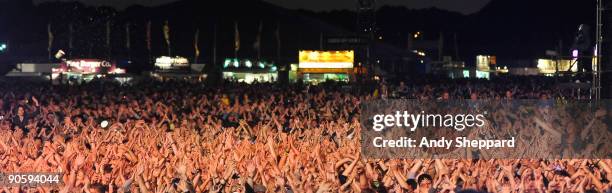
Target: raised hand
x=80 y=160
x=251 y=168
x=325 y=187
x=600 y=113
x=35 y=101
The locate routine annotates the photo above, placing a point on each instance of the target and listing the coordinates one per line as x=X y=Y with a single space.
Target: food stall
x=84 y=70
x=249 y=71
x=319 y=66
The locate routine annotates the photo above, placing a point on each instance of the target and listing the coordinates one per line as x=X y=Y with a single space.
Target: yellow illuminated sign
x=483 y=62
x=548 y=66
x=326 y=59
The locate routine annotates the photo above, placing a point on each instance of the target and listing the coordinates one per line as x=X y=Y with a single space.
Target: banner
x=278 y=41
x=326 y=59
x=70 y=34
x=108 y=33
x=236 y=37
x=148 y=35
x=257 y=44
x=51 y=37
x=196 y=41
x=167 y=32
x=128 y=44
x=277 y=34
x=167 y=36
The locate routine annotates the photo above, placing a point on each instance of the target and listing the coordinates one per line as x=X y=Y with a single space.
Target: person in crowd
x=184 y=137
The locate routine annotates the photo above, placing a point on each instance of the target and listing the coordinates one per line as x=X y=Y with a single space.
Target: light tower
x=366 y=27
x=596 y=89
x=3 y=47
x=366 y=19
x=603 y=69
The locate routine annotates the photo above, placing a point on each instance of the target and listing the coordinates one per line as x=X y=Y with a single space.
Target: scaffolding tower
x=597 y=71
x=366 y=24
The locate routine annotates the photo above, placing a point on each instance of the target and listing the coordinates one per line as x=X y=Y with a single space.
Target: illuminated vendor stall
x=485 y=65
x=549 y=67
x=249 y=71
x=167 y=64
x=320 y=66
x=176 y=68
x=84 y=70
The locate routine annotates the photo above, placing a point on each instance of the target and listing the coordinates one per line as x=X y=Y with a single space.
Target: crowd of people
x=183 y=137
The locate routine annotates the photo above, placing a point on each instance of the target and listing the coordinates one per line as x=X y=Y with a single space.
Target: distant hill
x=510 y=29
x=524 y=28
x=27 y=29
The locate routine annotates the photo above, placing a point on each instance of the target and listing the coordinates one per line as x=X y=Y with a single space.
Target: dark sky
x=463 y=6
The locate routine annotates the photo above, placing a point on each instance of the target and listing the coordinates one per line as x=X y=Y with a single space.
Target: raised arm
x=350 y=168
x=415 y=169
x=78 y=162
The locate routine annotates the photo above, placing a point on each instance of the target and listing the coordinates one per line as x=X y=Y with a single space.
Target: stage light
x=575 y=53
x=248 y=63
x=60 y=54
x=227 y=63
x=104 y=124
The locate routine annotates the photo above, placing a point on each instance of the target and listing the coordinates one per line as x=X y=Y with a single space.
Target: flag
x=196 y=41
x=257 y=44
x=70 y=34
x=148 y=36
x=51 y=37
x=321 y=41
x=440 y=46
x=167 y=36
x=128 y=43
x=277 y=34
x=236 y=37
x=409 y=42
x=278 y=41
x=108 y=33
x=167 y=32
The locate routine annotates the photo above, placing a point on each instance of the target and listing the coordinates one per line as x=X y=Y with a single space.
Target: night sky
x=463 y=6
